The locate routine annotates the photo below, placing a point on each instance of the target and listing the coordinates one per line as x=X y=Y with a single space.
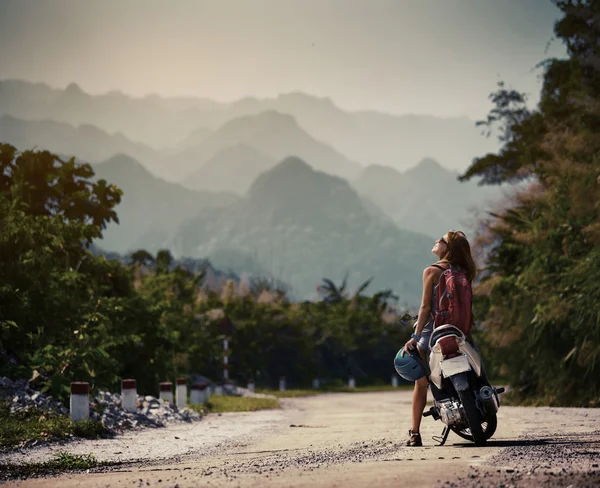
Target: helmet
x=409 y=365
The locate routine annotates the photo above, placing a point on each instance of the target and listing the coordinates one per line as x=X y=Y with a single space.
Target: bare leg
x=419 y=398
x=418 y=403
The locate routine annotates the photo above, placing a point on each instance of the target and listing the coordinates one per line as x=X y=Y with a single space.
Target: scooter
x=463 y=399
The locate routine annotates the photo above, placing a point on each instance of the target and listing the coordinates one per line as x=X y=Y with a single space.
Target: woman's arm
x=425 y=309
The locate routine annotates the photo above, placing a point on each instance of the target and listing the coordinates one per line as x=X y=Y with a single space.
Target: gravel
x=568 y=459
x=23 y=398
x=106 y=407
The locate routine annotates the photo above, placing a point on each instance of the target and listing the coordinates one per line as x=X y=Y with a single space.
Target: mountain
x=363 y=136
x=151 y=208
x=427 y=198
x=232 y=169
x=272 y=133
x=153 y=120
x=368 y=136
x=304 y=225
x=86 y=142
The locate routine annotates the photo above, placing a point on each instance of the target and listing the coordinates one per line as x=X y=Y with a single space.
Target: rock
x=105 y=407
x=36 y=379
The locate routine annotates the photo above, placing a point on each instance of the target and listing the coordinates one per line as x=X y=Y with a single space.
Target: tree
x=538 y=293
x=42 y=184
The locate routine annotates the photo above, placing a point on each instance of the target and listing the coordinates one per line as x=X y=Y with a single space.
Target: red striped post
x=166 y=391
x=80 y=401
x=129 y=395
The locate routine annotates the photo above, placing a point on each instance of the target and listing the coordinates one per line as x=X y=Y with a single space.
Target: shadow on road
x=525 y=443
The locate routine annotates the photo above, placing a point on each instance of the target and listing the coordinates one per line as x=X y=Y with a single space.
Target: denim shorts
x=423 y=343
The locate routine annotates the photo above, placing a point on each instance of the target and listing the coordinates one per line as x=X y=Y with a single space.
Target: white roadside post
x=282 y=383
x=204 y=392
x=181 y=392
x=166 y=391
x=351 y=382
x=395 y=381
x=315 y=383
x=208 y=391
x=251 y=384
x=226 y=359
x=129 y=395
x=80 y=402
x=196 y=394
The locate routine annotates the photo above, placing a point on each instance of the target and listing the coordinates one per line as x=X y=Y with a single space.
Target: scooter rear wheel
x=475 y=432
x=488 y=426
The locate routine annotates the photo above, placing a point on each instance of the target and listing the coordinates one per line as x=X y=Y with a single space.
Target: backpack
x=454 y=297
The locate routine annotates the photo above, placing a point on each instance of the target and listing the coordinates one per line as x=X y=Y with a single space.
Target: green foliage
x=218 y=404
x=69 y=315
x=63 y=461
x=540 y=290
x=288 y=393
x=42 y=426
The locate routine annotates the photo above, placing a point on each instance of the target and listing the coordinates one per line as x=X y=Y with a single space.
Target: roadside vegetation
x=37 y=425
x=537 y=300
x=69 y=314
x=62 y=462
x=226 y=403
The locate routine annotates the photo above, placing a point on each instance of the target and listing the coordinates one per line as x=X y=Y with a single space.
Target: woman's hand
x=409 y=346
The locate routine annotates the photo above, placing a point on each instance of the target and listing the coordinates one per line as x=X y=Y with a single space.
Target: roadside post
x=166 y=391
x=80 y=401
x=129 y=395
x=181 y=392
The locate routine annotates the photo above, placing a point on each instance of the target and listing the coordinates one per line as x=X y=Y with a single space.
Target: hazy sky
x=440 y=57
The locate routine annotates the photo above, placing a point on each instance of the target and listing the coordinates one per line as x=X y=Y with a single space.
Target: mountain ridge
x=320 y=229
x=160 y=122
x=275 y=134
x=426 y=198
x=151 y=208
x=85 y=142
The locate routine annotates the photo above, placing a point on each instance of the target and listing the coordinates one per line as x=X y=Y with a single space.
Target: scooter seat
x=448 y=345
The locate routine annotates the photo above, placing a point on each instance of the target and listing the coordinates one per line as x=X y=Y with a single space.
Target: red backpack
x=454 y=297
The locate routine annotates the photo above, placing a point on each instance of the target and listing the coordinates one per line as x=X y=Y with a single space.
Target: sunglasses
x=459 y=232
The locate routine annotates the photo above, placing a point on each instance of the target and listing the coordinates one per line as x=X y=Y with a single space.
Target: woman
x=452 y=249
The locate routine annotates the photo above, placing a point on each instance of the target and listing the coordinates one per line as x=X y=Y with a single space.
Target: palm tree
x=330 y=292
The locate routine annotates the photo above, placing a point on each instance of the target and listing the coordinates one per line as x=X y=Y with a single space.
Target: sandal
x=414 y=439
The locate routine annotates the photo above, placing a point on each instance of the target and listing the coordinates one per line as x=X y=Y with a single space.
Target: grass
x=226 y=403
x=18 y=428
x=63 y=461
x=288 y=393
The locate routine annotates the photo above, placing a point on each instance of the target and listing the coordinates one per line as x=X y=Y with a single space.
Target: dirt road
x=349 y=440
